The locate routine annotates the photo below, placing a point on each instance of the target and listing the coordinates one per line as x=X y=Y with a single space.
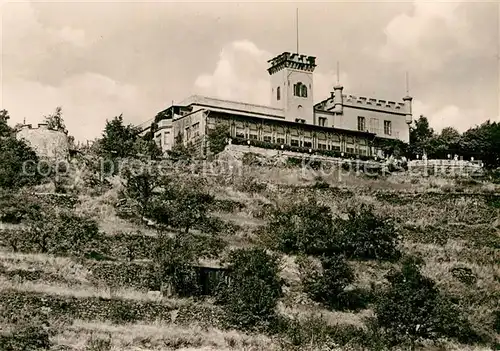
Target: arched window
x=278 y=93
x=300 y=89
x=303 y=91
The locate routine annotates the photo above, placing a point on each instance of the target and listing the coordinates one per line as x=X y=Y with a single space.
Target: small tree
x=16 y=207
x=141 y=186
x=61 y=233
x=174 y=259
x=182 y=205
x=32 y=331
x=251 y=296
x=421 y=137
x=5 y=130
x=146 y=147
x=218 y=138
x=117 y=139
x=191 y=207
x=413 y=309
x=183 y=152
x=301 y=227
x=364 y=235
x=328 y=284
x=19 y=163
x=55 y=120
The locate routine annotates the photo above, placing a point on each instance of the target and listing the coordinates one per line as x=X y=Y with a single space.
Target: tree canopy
x=5 y=130
x=122 y=141
x=17 y=158
x=481 y=142
x=55 y=120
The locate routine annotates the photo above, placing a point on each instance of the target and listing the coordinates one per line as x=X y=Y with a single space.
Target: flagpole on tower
x=297 y=26
x=338 y=72
x=407 y=84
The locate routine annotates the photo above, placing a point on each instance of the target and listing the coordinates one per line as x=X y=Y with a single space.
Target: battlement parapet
x=47 y=143
x=42 y=126
x=292 y=60
x=377 y=104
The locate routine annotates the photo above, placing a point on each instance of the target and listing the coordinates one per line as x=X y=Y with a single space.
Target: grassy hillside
x=111 y=301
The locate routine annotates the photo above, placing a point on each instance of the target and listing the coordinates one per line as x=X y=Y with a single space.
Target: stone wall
x=236 y=153
x=445 y=167
x=47 y=143
x=118 y=310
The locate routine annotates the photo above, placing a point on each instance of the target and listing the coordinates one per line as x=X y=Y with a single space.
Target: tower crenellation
x=292 y=86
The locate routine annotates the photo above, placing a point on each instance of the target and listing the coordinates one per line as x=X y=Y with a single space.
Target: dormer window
x=278 y=93
x=300 y=89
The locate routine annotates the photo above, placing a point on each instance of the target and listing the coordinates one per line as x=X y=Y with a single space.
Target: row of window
x=374 y=125
x=322 y=122
x=281 y=140
x=298 y=143
x=195 y=129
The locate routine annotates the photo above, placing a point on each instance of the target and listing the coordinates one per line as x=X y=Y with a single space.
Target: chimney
x=338 y=99
x=407 y=100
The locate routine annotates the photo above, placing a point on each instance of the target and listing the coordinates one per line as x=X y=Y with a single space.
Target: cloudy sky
x=100 y=59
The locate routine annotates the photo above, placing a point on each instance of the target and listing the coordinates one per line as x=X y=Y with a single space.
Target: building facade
x=343 y=123
x=46 y=142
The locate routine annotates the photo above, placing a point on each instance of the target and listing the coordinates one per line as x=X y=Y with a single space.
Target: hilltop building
x=46 y=142
x=343 y=123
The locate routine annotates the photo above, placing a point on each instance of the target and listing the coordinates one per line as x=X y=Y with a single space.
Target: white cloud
x=87 y=100
x=448 y=47
x=324 y=82
x=26 y=41
x=429 y=37
x=450 y=116
x=241 y=75
x=69 y=35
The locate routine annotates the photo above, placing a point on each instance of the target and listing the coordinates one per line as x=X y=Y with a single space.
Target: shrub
x=29 y=337
x=250 y=159
x=303 y=227
x=365 y=235
x=218 y=138
x=308 y=227
x=181 y=152
x=181 y=205
x=328 y=285
x=249 y=184
x=62 y=233
x=31 y=332
x=141 y=187
x=464 y=274
x=174 y=259
x=413 y=309
x=294 y=162
x=226 y=205
x=98 y=343
x=16 y=207
x=320 y=183
x=17 y=240
x=19 y=162
x=121 y=313
x=250 y=297
x=496 y=321
x=314 y=330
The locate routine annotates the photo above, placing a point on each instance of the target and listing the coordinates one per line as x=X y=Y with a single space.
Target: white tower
x=292 y=86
